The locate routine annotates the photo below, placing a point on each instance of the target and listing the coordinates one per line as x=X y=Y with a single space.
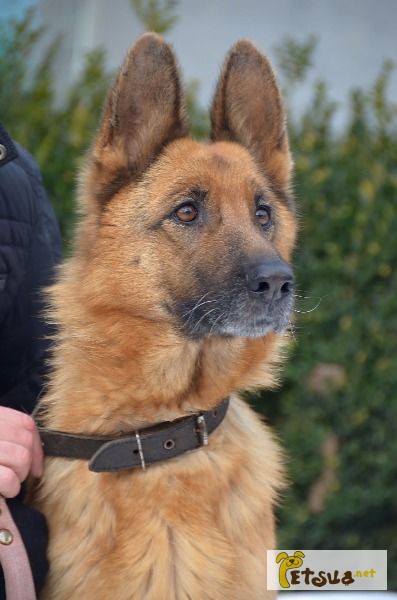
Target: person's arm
x=30 y=247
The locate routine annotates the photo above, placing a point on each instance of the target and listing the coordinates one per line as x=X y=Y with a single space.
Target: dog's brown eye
x=263 y=216
x=186 y=213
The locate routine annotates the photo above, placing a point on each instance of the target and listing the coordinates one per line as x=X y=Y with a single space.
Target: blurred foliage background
x=336 y=412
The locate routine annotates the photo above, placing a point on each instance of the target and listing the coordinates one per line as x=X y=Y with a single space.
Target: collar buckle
x=140 y=450
x=202 y=430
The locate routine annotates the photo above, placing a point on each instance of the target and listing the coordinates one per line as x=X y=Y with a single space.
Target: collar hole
x=169 y=444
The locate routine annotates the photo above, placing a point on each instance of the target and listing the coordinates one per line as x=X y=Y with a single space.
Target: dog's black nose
x=271 y=278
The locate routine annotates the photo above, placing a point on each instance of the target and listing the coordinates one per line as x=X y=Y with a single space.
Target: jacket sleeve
x=30 y=248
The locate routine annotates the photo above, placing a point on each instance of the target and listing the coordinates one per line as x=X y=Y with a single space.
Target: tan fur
x=196 y=527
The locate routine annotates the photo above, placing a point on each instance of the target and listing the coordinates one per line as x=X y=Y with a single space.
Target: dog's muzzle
x=258 y=300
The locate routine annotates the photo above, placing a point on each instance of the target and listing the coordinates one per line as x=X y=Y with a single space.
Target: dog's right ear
x=143 y=112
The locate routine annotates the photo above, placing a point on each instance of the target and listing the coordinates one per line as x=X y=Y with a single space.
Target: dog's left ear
x=248 y=109
x=144 y=111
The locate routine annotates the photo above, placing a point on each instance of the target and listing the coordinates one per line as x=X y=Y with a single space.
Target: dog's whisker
x=196 y=306
x=308 y=297
x=190 y=312
x=203 y=317
x=304 y=312
x=222 y=314
x=199 y=300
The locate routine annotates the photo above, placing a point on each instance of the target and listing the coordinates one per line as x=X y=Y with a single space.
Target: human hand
x=21 y=452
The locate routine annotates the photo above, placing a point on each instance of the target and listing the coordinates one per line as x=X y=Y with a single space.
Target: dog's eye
x=263 y=216
x=186 y=213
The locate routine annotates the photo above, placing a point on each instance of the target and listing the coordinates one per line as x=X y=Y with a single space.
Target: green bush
x=56 y=134
x=336 y=412
x=337 y=409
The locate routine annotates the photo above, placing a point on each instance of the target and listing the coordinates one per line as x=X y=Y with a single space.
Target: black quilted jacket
x=30 y=247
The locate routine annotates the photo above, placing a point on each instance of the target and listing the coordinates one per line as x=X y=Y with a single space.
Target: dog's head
x=198 y=235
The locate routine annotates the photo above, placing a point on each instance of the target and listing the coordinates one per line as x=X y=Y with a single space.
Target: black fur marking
x=122 y=179
x=285 y=197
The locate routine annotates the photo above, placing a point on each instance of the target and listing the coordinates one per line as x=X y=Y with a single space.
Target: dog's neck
x=124 y=372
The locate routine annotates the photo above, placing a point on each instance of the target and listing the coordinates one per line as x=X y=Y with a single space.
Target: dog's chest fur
x=190 y=528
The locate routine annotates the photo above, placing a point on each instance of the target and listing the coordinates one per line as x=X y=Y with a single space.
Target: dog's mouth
x=237 y=315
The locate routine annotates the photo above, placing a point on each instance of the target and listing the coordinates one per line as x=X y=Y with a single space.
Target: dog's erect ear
x=299 y=553
x=143 y=112
x=248 y=109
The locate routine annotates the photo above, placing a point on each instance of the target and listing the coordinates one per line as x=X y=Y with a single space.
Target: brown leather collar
x=138 y=448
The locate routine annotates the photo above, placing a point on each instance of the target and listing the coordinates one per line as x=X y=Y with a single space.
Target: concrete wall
x=355 y=36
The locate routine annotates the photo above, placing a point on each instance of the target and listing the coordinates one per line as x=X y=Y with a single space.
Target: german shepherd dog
x=178 y=295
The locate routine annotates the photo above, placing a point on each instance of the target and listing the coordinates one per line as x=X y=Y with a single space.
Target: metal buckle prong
x=140 y=450
x=202 y=430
